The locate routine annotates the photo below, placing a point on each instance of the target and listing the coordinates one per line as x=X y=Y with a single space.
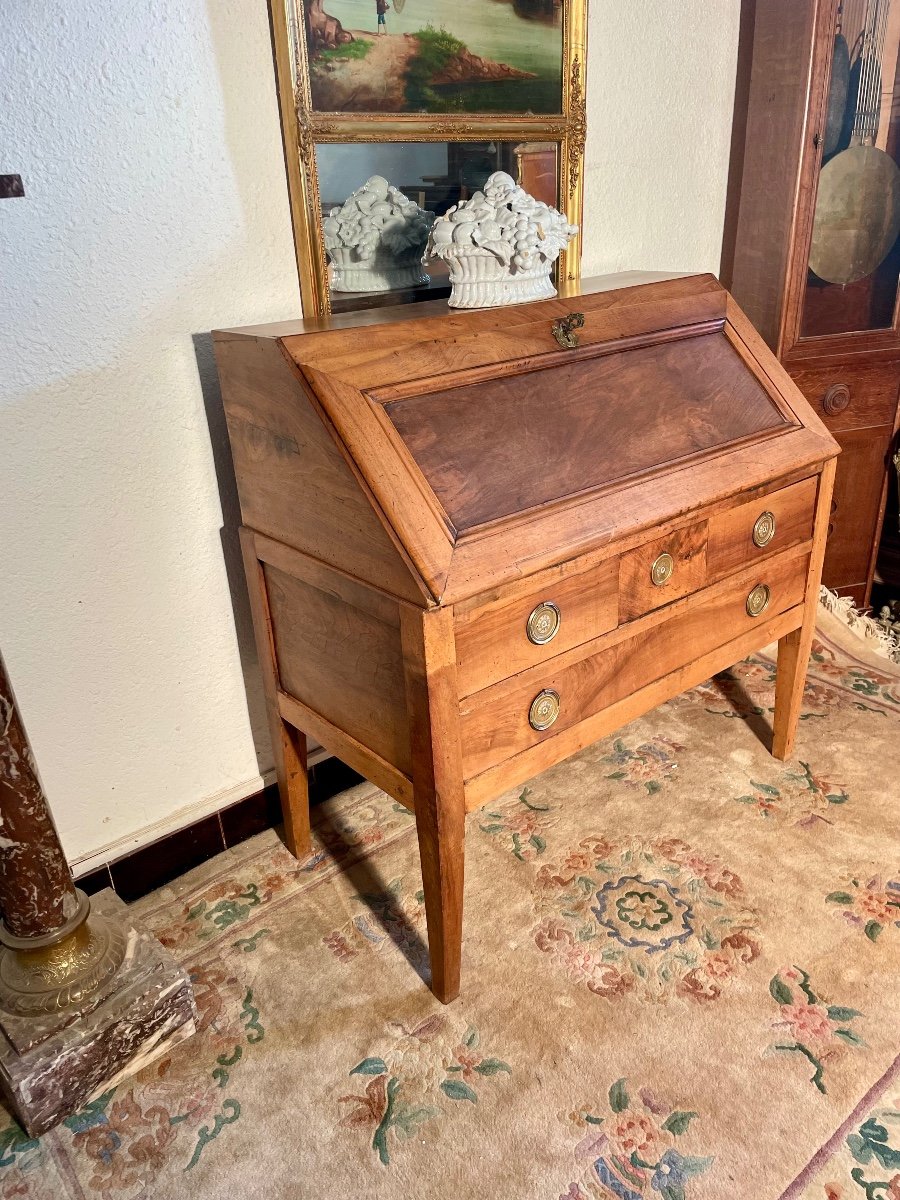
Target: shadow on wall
x=231 y=545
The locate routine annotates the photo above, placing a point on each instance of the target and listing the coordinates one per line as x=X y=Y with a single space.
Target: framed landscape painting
x=435 y=56
x=375 y=79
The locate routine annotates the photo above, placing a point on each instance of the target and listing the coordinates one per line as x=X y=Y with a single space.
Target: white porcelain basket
x=480 y=280
x=380 y=273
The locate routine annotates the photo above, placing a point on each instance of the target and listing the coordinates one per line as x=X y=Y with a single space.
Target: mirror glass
x=374 y=242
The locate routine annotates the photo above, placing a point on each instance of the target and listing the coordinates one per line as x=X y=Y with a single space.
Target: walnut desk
x=478 y=541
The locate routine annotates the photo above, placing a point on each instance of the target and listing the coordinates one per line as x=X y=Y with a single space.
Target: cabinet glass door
x=854 y=258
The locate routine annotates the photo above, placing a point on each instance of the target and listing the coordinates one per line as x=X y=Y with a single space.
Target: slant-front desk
x=477 y=542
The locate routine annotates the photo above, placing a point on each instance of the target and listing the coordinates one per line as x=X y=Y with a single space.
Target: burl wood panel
x=491 y=638
x=286 y=462
x=494 y=729
x=342 y=661
x=730 y=545
x=638 y=594
x=493 y=449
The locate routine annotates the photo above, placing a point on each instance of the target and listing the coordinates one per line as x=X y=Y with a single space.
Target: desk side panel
x=293 y=481
x=338 y=651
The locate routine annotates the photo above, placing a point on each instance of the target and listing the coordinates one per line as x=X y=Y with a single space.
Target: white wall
x=659 y=98
x=155 y=210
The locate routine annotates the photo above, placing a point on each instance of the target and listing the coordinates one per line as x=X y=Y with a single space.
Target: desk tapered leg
x=794 y=647
x=288 y=743
x=433 y=705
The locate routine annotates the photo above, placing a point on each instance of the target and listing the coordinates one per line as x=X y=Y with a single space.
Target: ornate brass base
x=121 y=1001
x=52 y=974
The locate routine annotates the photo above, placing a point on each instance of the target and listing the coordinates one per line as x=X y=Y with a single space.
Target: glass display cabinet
x=812 y=250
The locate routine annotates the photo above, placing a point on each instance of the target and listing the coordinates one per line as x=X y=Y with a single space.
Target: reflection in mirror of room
x=436 y=175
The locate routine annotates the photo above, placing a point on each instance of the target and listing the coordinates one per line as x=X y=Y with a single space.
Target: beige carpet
x=680 y=982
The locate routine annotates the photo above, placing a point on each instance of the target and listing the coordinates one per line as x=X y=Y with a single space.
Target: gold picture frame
x=303 y=129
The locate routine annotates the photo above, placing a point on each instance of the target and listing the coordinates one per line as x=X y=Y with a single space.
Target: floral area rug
x=680 y=982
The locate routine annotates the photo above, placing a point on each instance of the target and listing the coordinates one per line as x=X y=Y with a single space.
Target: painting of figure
x=435 y=56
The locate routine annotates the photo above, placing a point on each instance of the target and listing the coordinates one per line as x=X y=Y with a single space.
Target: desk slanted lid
x=490 y=451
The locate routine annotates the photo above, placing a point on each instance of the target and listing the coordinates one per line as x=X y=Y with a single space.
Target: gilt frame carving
x=303 y=128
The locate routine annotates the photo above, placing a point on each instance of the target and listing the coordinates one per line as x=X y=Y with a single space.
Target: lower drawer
x=501 y=721
x=851 y=396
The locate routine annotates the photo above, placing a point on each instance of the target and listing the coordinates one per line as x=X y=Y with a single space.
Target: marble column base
x=71 y=1056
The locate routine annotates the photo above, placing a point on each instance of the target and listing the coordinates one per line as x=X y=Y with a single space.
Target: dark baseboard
x=144 y=870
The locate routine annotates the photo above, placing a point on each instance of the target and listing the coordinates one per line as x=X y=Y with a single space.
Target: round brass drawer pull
x=758 y=600
x=542 y=625
x=764 y=529
x=661 y=571
x=544 y=709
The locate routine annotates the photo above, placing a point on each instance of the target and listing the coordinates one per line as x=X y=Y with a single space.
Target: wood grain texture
x=363 y=759
x=491 y=638
x=638 y=594
x=730 y=545
x=514 y=444
x=645 y=627
x=438 y=792
x=442 y=341
x=502 y=471
x=794 y=647
x=481 y=789
x=627 y=515
x=285 y=460
x=775 y=124
x=496 y=729
x=872 y=387
x=782 y=155
x=857 y=506
x=288 y=742
x=343 y=661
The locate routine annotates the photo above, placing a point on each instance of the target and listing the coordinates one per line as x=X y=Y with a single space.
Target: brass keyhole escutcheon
x=764 y=529
x=758 y=600
x=661 y=571
x=564 y=330
x=543 y=623
x=544 y=709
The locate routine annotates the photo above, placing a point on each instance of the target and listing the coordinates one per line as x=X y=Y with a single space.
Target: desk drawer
x=500 y=722
x=518 y=628
x=851 y=396
x=662 y=571
x=758 y=528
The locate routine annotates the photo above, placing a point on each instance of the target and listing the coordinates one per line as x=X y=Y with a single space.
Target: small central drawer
x=662 y=571
x=519 y=627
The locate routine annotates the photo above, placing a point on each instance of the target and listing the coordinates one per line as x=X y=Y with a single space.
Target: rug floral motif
x=679 y=983
x=656 y=918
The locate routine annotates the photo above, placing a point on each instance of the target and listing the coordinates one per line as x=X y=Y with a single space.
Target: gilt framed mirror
x=432 y=96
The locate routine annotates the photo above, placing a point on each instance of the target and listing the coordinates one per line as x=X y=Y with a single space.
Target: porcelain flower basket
x=376 y=239
x=499 y=246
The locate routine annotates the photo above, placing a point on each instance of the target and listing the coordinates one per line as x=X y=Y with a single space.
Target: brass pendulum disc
x=857 y=214
x=64 y=972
